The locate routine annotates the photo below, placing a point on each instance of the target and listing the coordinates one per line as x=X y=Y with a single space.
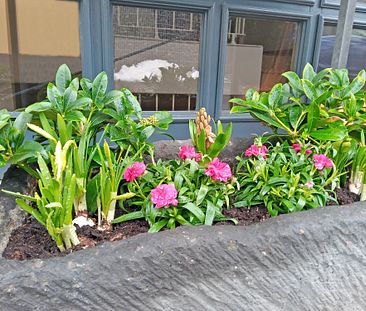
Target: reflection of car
x=356 y=57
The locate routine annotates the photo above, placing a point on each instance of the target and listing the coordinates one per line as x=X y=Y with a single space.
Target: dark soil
x=40 y=245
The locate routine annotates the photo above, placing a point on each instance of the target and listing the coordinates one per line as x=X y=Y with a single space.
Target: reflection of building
x=34 y=40
x=173 y=55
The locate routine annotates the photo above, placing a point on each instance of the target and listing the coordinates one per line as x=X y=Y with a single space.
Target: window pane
x=258 y=52
x=157 y=56
x=357 y=53
x=36 y=37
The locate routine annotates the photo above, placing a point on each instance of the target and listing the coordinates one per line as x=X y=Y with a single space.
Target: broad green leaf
x=294 y=115
x=275 y=95
x=28 y=150
x=332 y=133
x=164 y=119
x=220 y=142
x=39 y=107
x=133 y=102
x=201 y=194
x=196 y=211
x=147 y=132
x=294 y=80
x=99 y=88
x=355 y=86
x=210 y=213
x=313 y=116
x=63 y=78
x=308 y=72
x=309 y=89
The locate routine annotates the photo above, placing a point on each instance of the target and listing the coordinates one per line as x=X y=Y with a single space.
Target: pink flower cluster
x=254 y=150
x=164 y=195
x=134 y=171
x=188 y=152
x=218 y=170
x=321 y=161
x=297 y=148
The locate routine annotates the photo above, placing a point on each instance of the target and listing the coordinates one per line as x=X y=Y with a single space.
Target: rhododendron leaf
x=156 y=227
x=313 y=115
x=308 y=72
x=275 y=95
x=294 y=80
x=294 y=115
x=210 y=213
x=196 y=211
x=309 y=89
x=332 y=133
x=201 y=194
x=355 y=86
x=266 y=118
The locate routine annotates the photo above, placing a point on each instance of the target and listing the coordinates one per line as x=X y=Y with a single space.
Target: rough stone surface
x=168 y=149
x=11 y=216
x=311 y=260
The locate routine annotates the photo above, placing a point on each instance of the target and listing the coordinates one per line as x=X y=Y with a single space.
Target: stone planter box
x=312 y=260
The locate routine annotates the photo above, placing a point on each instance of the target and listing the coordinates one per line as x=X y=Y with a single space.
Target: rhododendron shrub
x=287 y=178
x=181 y=192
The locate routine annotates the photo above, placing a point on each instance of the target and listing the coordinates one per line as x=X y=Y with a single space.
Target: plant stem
x=69 y=236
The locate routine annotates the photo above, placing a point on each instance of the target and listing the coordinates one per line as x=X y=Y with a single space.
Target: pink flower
x=164 y=195
x=218 y=170
x=188 y=152
x=254 y=150
x=308 y=151
x=296 y=147
x=134 y=171
x=321 y=161
x=309 y=184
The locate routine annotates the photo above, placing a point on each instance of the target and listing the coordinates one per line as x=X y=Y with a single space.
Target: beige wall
x=45 y=27
x=4 y=48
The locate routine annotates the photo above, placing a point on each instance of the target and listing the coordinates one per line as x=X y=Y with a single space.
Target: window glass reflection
x=157 y=56
x=258 y=52
x=36 y=37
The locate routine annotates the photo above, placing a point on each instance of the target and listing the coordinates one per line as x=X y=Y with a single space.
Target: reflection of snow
x=194 y=73
x=145 y=69
x=150 y=69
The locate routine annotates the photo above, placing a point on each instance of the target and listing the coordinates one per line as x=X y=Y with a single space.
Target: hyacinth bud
x=203 y=123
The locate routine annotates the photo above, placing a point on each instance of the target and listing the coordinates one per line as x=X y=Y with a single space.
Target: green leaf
x=133 y=102
x=31 y=211
x=28 y=150
x=156 y=227
x=41 y=132
x=129 y=216
x=196 y=211
x=39 y=107
x=164 y=119
x=294 y=80
x=201 y=194
x=19 y=195
x=275 y=95
x=313 y=115
x=294 y=115
x=63 y=78
x=309 y=89
x=147 y=132
x=210 y=213
x=332 y=133
x=308 y=72
x=356 y=85
x=99 y=88
x=220 y=142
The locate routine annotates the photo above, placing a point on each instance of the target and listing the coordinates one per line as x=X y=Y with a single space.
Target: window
x=357 y=52
x=157 y=56
x=36 y=37
x=258 y=51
